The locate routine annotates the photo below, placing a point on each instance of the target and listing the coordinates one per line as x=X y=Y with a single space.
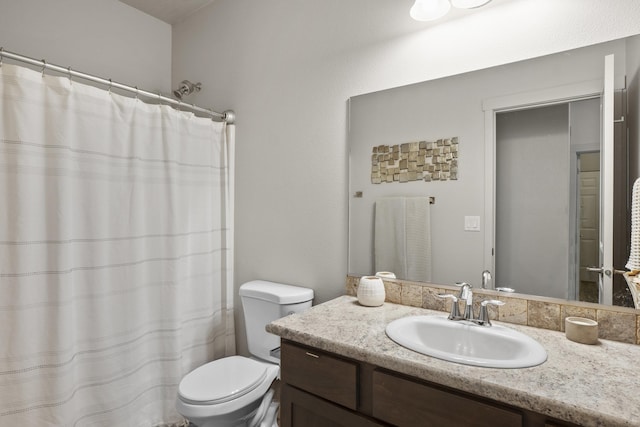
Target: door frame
x=574 y=291
x=525 y=100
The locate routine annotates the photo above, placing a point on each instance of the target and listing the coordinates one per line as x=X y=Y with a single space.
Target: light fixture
x=429 y=10
x=468 y=4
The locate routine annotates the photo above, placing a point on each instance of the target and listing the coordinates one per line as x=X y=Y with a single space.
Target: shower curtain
x=116 y=261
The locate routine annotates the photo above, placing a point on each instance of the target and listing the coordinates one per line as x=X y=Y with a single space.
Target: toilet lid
x=222 y=380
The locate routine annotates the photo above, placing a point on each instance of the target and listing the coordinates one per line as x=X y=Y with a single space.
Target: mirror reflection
x=521 y=195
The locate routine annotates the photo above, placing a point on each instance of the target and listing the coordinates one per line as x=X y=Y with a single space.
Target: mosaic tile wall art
x=415 y=161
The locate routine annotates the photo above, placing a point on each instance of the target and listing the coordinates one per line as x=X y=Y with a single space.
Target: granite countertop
x=593 y=385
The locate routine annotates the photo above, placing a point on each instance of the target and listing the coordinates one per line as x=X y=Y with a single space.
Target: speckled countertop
x=588 y=385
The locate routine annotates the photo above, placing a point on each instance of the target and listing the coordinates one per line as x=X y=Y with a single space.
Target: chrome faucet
x=486 y=283
x=486 y=279
x=466 y=295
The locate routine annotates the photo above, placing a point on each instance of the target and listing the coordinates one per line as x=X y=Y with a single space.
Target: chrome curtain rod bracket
x=111 y=84
x=229 y=117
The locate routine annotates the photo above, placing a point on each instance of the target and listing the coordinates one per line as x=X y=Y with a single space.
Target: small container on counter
x=371 y=291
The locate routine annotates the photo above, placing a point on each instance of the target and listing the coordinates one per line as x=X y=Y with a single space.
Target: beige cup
x=582 y=330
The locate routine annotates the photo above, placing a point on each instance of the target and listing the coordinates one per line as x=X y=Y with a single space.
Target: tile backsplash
x=615 y=323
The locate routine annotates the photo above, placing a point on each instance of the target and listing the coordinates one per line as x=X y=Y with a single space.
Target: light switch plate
x=471 y=223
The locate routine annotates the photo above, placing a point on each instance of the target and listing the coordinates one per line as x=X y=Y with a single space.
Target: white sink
x=462 y=342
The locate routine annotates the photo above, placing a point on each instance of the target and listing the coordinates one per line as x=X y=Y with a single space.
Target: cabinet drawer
x=404 y=402
x=329 y=377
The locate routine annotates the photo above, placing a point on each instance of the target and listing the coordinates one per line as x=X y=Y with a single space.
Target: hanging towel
x=402 y=237
x=634 y=255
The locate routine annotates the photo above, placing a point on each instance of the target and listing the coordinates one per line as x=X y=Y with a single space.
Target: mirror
x=463 y=243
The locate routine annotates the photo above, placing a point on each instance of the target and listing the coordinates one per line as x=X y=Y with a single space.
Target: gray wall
x=102 y=37
x=288 y=69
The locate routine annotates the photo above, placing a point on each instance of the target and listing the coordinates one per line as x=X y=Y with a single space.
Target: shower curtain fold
x=116 y=257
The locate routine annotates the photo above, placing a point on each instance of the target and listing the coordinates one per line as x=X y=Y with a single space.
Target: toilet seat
x=208 y=389
x=222 y=380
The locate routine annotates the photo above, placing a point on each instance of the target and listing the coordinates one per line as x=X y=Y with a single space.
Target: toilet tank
x=264 y=302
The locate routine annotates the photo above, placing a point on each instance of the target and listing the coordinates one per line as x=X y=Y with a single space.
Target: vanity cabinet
x=321 y=389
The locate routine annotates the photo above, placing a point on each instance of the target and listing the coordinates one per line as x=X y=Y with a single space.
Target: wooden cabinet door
x=404 y=402
x=300 y=409
x=559 y=424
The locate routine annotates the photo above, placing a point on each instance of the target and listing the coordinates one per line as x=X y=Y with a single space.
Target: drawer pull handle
x=312 y=355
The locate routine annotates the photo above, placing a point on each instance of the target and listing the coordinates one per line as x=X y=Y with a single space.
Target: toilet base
x=270 y=420
x=233 y=419
x=260 y=413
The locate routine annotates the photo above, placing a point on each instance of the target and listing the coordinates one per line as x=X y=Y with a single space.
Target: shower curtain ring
x=69 y=74
x=44 y=66
x=1 y=55
x=136 y=92
x=110 y=86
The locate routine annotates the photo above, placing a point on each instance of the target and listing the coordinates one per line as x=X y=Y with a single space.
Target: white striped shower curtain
x=116 y=266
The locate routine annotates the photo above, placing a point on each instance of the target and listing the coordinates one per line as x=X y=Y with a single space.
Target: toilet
x=235 y=391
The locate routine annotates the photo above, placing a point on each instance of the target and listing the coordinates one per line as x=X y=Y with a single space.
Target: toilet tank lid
x=276 y=292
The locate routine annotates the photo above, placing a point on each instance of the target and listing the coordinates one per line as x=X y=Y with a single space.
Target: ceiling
x=169 y=11
x=175 y=11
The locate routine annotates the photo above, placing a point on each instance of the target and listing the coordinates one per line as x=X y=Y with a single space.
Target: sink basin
x=463 y=342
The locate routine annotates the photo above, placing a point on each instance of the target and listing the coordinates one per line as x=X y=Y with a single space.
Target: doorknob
x=601 y=270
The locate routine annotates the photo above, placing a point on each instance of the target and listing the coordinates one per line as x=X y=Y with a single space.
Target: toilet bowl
x=235 y=391
x=225 y=392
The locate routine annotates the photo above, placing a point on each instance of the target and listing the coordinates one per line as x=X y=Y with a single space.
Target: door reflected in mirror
x=589 y=224
x=548 y=200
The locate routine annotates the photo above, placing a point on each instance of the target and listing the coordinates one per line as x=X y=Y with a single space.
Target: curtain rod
x=228 y=116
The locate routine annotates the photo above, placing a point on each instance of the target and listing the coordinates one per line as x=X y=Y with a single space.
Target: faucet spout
x=486 y=279
x=464 y=288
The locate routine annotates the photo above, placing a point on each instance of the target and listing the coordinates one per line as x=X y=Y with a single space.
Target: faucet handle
x=503 y=289
x=483 y=318
x=455 y=310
